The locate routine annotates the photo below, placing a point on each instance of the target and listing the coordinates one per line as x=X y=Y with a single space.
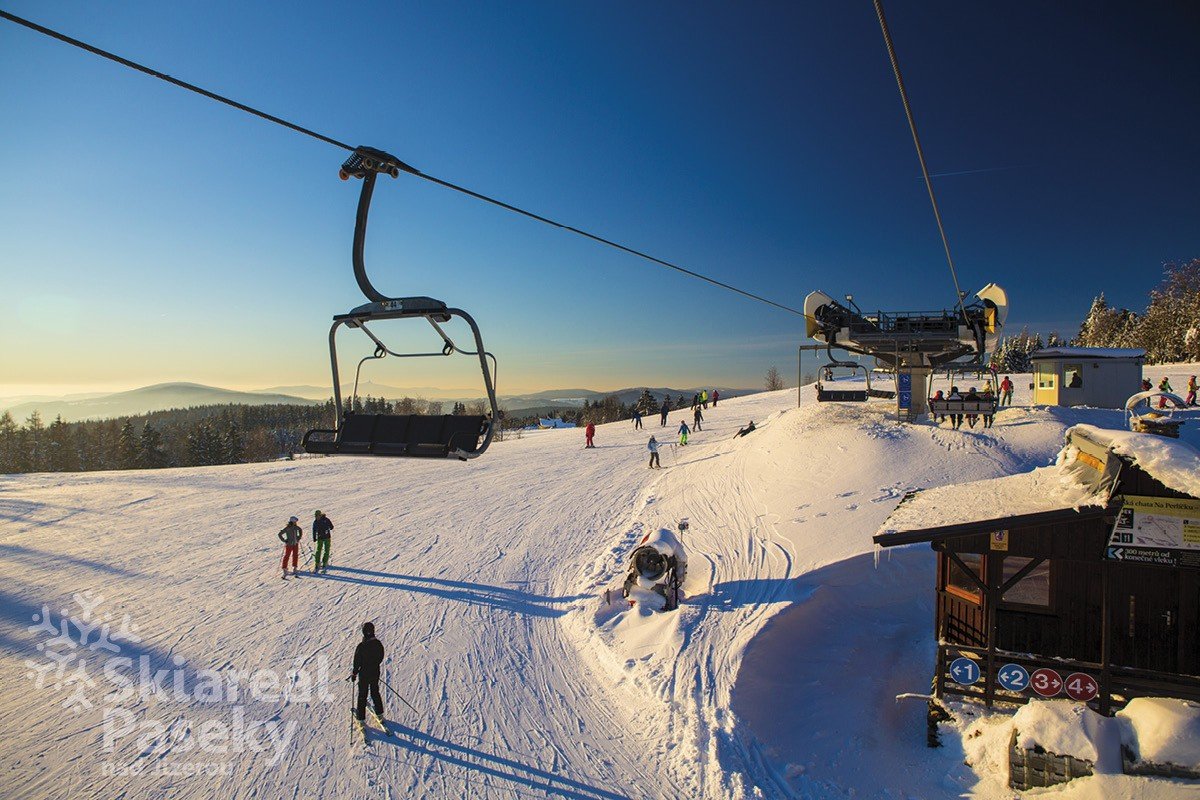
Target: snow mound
x=1174 y=463
x=1162 y=730
x=1067 y=728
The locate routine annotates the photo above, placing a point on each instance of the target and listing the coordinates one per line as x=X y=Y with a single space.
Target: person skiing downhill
x=367 y=658
x=683 y=432
x=716 y=396
x=652 y=446
x=697 y=418
x=1191 y=393
x=322 y=527
x=704 y=399
x=290 y=536
x=588 y=433
x=637 y=420
x=1006 y=390
x=663 y=411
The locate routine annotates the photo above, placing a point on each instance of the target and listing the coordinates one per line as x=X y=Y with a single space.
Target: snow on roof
x=1173 y=463
x=1064 y=728
x=1045 y=489
x=1088 y=352
x=1162 y=730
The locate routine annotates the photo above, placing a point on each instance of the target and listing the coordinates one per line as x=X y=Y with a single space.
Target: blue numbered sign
x=964 y=671
x=1013 y=677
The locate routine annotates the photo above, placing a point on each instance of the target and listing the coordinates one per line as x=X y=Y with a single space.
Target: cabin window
x=1045 y=376
x=1033 y=589
x=1072 y=376
x=959 y=582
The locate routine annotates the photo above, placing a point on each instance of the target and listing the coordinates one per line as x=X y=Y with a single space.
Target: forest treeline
x=1168 y=329
x=227 y=434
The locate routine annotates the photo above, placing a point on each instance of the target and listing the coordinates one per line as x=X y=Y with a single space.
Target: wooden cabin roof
x=1092 y=468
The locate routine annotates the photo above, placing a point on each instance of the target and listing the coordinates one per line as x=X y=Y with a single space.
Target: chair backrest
x=358 y=428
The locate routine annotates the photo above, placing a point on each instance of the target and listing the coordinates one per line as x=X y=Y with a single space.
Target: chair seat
x=841 y=395
x=401 y=435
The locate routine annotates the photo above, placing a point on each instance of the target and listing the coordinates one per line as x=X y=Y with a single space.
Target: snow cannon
x=910 y=338
x=657 y=570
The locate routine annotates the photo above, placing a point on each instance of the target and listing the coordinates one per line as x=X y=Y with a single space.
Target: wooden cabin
x=1080 y=580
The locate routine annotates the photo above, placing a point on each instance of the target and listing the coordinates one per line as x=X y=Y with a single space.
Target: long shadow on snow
x=728 y=595
x=513 y=600
x=17 y=615
x=509 y=769
x=57 y=559
x=19 y=510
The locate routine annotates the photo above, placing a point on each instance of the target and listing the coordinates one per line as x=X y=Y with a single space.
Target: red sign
x=1082 y=687
x=1046 y=682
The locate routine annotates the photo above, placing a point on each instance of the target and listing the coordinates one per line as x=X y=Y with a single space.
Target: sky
x=150 y=235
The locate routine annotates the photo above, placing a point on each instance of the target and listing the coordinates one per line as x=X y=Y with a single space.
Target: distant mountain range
x=162 y=396
x=140 y=401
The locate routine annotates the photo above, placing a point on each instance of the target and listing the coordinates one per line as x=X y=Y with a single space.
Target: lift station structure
x=912 y=344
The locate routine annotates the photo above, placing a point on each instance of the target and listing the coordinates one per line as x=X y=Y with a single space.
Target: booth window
x=1045 y=376
x=1072 y=376
x=959 y=582
x=1032 y=590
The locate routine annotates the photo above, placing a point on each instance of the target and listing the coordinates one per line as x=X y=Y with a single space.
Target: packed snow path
x=484 y=581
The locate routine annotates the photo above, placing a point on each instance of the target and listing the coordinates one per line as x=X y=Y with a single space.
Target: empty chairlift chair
x=843 y=395
x=405 y=435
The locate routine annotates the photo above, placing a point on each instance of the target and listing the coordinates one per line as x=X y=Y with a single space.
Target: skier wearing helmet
x=290 y=536
x=368 y=656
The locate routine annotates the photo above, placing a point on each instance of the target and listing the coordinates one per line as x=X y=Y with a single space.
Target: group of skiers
x=368 y=655
x=292 y=534
x=956 y=420
x=1165 y=386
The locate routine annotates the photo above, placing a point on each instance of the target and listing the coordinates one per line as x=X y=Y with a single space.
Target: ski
x=362 y=727
x=383 y=725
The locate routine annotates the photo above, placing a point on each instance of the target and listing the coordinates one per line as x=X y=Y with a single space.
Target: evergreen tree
x=235 y=448
x=35 y=444
x=204 y=445
x=127 y=447
x=60 y=447
x=10 y=460
x=646 y=404
x=150 y=452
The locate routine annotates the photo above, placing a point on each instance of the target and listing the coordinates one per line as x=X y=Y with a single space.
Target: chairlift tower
x=912 y=343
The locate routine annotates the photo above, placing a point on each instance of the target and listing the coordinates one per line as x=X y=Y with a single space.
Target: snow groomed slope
x=485 y=582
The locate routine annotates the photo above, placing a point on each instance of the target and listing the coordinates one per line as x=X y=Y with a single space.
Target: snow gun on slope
x=657 y=570
x=910 y=338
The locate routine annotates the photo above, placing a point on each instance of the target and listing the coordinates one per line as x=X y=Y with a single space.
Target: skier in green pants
x=322 y=527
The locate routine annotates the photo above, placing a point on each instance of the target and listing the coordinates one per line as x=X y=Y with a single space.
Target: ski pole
x=402 y=700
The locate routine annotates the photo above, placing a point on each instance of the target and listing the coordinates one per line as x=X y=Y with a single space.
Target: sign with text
x=1163 y=531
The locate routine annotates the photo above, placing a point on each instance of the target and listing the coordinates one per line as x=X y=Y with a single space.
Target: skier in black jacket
x=367 y=658
x=321 y=528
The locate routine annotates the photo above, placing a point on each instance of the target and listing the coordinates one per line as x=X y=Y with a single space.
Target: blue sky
x=147 y=234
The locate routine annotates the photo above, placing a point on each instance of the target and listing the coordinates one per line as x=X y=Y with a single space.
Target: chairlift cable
x=912 y=126
x=125 y=62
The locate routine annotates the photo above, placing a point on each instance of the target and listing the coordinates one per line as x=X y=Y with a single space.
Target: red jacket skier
x=589 y=432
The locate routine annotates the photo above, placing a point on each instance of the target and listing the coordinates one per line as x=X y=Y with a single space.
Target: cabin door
x=1145 y=617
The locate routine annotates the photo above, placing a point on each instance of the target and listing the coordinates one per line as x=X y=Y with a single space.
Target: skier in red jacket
x=588 y=433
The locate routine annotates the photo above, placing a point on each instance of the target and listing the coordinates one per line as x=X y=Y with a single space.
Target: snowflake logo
x=71 y=642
